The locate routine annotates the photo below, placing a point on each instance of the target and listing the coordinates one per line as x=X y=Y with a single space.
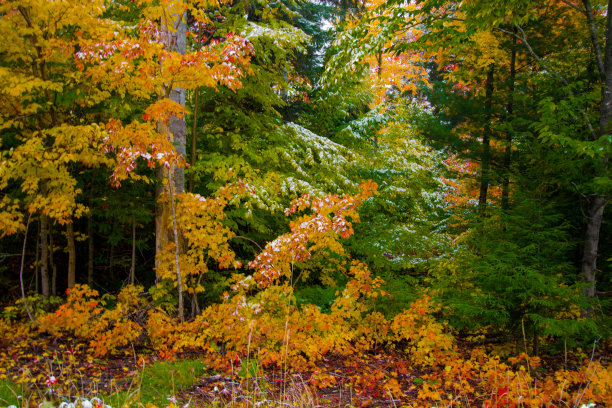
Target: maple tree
x=43 y=141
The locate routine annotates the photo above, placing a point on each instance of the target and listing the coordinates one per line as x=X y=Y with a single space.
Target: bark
x=52 y=263
x=194 y=140
x=44 y=256
x=90 y=250
x=485 y=166
x=176 y=131
x=591 y=244
x=71 y=255
x=133 y=267
x=536 y=344
x=37 y=260
x=111 y=260
x=161 y=229
x=505 y=203
x=598 y=202
x=179 y=279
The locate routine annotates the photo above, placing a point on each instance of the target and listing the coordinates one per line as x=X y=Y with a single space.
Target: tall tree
x=597 y=201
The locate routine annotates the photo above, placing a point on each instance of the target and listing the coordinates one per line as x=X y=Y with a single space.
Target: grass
x=8 y=393
x=158 y=382
x=154 y=385
x=11 y=393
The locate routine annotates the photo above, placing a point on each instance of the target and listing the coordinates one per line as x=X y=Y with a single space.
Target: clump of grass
x=14 y=394
x=158 y=382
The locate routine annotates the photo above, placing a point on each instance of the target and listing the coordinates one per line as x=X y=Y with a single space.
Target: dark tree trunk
x=37 y=260
x=111 y=261
x=597 y=202
x=44 y=256
x=505 y=203
x=90 y=250
x=71 y=255
x=591 y=244
x=485 y=166
x=52 y=263
x=133 y=266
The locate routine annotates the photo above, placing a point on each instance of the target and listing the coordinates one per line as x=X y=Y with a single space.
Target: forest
x=305 y=204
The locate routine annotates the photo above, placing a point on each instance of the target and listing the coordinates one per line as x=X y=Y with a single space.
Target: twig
x=592 y=375
x=250 y=240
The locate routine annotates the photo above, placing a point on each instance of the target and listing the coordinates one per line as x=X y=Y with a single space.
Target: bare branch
x=250 y=240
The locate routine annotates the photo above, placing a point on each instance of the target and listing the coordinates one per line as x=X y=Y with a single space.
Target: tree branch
x=572 y=5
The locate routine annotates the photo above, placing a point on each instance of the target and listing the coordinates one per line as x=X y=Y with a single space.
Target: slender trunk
x=133 y=267
x=44 y=256
x=71 y=255
x=179 y=280
x=505 y=203
x=195 y=307
x=536 y=345
x=194 y=303
x=176 y=131
x=485 y=166
x=90 y=250
x=23 y=254
x=598 y=202
x=111 y=260
x=37 y=259
x=53 y=265
x=161 y=238
x=194 y=140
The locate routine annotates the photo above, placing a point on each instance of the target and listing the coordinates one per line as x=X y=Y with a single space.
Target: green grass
x=158 y=382
x=9 y=393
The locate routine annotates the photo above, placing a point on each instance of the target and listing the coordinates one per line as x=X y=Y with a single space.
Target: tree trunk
x=37 y=260
x=133 y=266
x=44 y=256
x=591 y=243
x=485 y=166
x=598 y=202
x=505 y=203
x=176 y=131
x=194 y=140
x=111 y=260
x=179 y=279
x=52 y=263
x=90 y=249
x=71 y=255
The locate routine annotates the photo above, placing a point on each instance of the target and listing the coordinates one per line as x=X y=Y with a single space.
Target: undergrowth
x=268 y=348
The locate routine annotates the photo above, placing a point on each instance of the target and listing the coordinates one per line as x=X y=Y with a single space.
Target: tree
x=598 y=200
x=44 y=141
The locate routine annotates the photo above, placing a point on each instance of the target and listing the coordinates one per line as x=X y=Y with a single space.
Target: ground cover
x=40 y=368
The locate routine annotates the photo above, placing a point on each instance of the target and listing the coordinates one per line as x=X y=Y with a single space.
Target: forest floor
x=45 y=368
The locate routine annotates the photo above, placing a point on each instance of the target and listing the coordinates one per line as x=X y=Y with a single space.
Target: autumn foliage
x=259 y=320
x=407 y=208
